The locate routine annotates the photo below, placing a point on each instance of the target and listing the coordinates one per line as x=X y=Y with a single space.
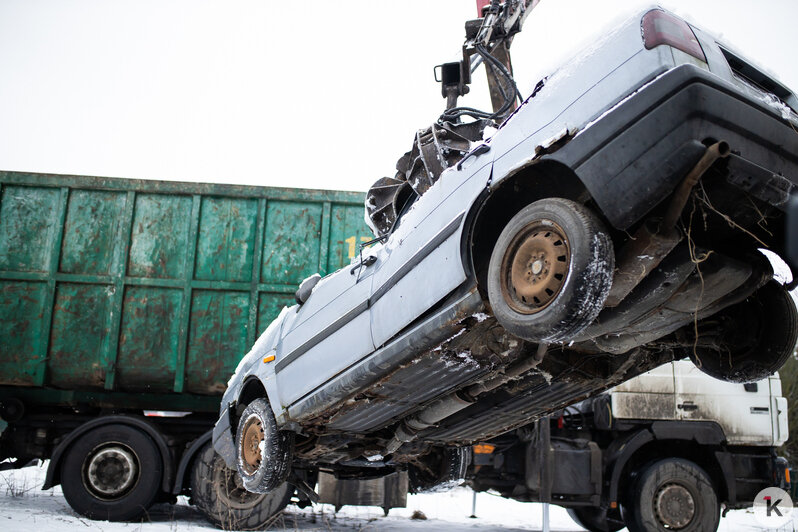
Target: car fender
x=266 y=375
x=256 y=362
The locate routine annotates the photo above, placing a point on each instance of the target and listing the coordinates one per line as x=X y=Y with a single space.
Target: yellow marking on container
x=352 y=241
x=268 y=358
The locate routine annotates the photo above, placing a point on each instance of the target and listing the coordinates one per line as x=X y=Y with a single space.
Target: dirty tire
x=672 y=494
x=550 y=271
x=112 y=472
x=219 y=493
x=456 y=462
x=593 y=519
x=757 y=335
x=263 y=453
x=447 y=470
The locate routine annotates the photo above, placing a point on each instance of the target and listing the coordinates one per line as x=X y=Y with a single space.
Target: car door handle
x=688 y=406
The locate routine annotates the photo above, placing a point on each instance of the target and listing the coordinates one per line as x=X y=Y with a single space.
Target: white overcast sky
x=312 y=93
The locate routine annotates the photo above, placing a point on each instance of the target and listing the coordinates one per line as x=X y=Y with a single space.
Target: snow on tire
x=550 y=271
x=263 y=453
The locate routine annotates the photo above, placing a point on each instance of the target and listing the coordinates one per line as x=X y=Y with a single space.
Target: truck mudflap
x=747 y=473
x=223 y=441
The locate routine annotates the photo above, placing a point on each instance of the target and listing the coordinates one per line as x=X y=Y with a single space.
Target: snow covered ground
x=24 y=506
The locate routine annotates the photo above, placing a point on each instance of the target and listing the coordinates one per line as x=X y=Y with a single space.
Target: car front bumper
x=223 y=440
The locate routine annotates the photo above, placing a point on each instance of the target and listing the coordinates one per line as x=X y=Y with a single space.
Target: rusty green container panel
x=218 y=326
x=159 y=236
x=22 y=330
x=27 y=226
x=145 y=294
x=291 y=249
x=147 y=363
x=226 y=239
x=90 y=231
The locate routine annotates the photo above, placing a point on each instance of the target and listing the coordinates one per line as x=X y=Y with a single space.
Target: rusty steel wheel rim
x=251 y=442
x=535 y=267
x=674 y=505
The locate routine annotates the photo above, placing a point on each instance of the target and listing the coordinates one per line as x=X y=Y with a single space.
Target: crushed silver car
x=613 y=223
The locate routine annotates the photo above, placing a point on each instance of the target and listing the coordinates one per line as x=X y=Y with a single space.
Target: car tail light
x=660 y=27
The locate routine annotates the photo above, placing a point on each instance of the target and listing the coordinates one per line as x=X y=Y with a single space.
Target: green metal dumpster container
x=145 y=294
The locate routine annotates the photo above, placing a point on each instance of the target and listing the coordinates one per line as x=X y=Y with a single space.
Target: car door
x=327 y=334
x=420 y=263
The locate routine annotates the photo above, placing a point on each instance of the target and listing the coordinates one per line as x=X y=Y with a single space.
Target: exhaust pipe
x=657 y=237
x=457 y=401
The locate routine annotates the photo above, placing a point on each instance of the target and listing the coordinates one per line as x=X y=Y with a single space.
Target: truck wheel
x=753 y=338
x=550 y=271
x=218 y=491
x=444 y=468
x=672 y=494
x=263 y=453
x=113 y=472
x=593 y=519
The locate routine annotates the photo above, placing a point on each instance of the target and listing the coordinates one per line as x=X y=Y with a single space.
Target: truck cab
x=661 y=451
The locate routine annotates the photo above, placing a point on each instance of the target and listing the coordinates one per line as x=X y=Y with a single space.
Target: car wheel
x=113 y=473
x=263 y=452
x=220 y=494
x=550 y=271
x=593 y=519
x=672 y=494
x=750 y=340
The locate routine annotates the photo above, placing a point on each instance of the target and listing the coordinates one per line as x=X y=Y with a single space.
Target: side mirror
x=306 y=288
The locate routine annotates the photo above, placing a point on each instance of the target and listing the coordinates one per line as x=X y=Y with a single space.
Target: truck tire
x=755 y=337
x=550 y=271
x=593 y=519
x=219 y=493
x=672 y=494
x=112 y=472
x=441 y=470
x=263 y=453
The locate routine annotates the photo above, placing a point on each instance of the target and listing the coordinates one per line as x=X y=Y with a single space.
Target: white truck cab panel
x=749 y=414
